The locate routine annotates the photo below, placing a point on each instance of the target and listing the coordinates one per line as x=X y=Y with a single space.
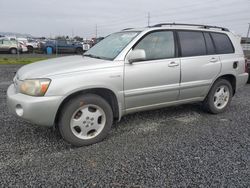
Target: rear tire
x=219 y=97
x=30 y=49
x=79 y=51
x=85 y=120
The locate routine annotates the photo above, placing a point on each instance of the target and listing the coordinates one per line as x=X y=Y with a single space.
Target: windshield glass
x=111 y=46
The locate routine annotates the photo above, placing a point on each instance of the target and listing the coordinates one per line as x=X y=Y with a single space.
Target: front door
x=154 y=81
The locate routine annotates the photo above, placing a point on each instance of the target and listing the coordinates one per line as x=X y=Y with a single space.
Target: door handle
x=213 y=60
x=173 y=64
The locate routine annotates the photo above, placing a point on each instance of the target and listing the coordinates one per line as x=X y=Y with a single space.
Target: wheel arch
x=105 y=93
x=231 y=78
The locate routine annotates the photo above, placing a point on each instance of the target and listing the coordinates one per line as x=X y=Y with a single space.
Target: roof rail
x=196 y=25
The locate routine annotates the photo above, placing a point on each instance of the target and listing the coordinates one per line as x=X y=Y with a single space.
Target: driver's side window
x=158 y=45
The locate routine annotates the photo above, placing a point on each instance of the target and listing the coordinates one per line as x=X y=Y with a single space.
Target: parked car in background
x=10 y=46
x=23 y=47
x=62 y=46
x=85 y=46
x=31 y=44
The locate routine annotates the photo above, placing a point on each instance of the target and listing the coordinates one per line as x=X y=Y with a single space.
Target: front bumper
x=37 y=110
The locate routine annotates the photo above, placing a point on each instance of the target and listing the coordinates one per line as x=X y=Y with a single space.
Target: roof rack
x=127 y=29
x=196 y=25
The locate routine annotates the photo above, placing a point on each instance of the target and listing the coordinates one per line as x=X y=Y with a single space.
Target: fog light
x=19 y=110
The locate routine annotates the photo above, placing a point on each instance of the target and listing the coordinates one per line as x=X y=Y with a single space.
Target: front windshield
x=111 y=46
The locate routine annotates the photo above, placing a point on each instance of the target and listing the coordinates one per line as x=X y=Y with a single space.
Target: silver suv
x=130 y=71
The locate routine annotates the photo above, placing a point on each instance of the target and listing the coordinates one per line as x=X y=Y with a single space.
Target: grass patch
x=21 y=60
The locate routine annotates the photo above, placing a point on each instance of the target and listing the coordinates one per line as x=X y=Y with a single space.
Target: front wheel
x=85 y=120
x=219 y=97
x=13 y=51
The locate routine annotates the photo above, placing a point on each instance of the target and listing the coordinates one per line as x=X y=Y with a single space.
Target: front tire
x=13 y=51
x=219 y=97
x=85 y=120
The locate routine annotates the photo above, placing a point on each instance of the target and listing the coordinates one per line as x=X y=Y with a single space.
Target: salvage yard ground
x=178 y=146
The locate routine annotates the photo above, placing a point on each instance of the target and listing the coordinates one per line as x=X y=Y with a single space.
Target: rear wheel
x=30 y=49
x=219 y=97
x=79 y=50
x=85 y=120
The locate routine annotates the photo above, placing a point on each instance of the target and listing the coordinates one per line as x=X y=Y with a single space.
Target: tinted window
x=192 y=43
x=209 y=44
x=158 y=45
x=222 y=43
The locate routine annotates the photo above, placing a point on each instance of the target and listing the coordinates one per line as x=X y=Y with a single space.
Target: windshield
x=111 y=46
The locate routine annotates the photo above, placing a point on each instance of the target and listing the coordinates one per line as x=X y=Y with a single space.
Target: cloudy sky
x=80 y=17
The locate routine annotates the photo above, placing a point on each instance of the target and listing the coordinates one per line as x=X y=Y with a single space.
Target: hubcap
x=221 y=97
x=87 y=121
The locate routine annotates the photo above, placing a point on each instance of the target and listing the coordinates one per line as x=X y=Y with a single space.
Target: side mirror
x=136 y=55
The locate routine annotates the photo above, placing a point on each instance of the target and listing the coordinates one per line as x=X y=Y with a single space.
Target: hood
x=62 y=65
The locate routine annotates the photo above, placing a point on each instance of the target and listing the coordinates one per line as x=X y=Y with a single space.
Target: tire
x=219 y=97
x=79 y=50
x=85 y=120
x=30 y=49
x=13 y=51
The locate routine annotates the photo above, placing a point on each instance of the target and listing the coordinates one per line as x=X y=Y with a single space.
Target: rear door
x=199 y=63
x=62 y=46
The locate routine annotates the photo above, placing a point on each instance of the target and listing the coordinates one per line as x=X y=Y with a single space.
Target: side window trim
x=216 y=50
x=205 y=43
x=207 y=32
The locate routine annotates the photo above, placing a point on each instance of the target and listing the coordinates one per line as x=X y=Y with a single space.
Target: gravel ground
x=172 y=147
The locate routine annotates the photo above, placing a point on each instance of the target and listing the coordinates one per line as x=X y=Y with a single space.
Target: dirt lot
x=172 y=147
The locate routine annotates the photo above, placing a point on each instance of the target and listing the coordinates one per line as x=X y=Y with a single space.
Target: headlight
x=36 y=87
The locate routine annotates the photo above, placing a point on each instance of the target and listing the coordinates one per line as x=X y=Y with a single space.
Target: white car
x=23 y=46
x=30 y=44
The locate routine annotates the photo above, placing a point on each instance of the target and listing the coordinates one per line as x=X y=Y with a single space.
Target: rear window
x=222 y=43
x=192 y=43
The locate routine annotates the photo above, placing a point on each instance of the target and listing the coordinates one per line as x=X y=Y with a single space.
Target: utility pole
x=96 y=31
x=248 y=31
x=148 y=19
x=72 y=33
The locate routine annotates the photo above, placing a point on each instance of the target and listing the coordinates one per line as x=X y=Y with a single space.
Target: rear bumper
x=241 y=80
x=37 y=110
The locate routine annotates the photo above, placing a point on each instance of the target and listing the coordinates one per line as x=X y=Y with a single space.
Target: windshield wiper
x=93 y=56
